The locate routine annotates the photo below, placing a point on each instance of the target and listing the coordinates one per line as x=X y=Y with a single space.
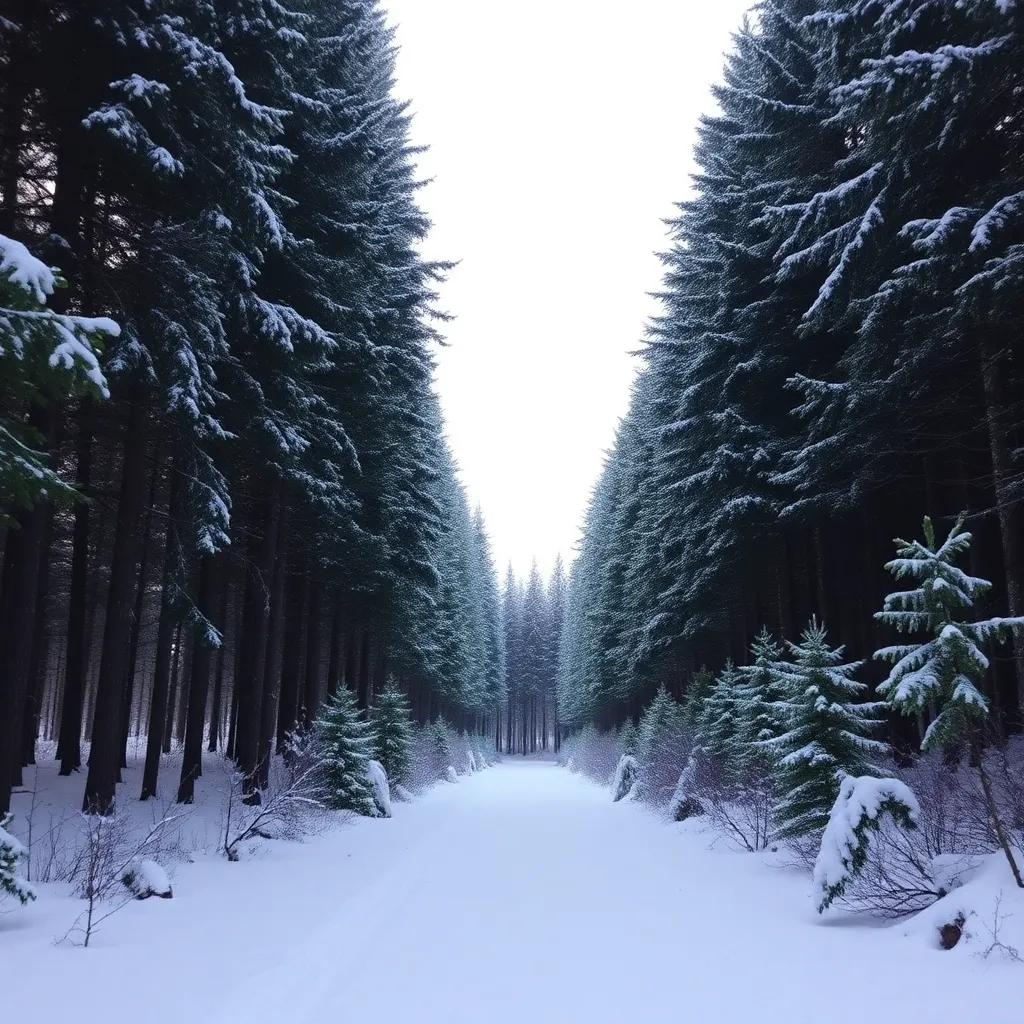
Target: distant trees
x=532 y=623
x=835 y=354
x=271 y=512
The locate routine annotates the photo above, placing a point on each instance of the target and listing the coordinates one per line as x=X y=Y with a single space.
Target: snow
x=524 y=872
x=625 y=777
x=24 y=271
x=451 y=774
x=381 y=791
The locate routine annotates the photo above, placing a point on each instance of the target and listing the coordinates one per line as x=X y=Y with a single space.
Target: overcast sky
x=560 y=135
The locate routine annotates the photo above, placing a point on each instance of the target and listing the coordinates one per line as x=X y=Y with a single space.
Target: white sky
x=560 y=135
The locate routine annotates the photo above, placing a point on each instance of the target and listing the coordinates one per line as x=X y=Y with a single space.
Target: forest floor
x=522 y=893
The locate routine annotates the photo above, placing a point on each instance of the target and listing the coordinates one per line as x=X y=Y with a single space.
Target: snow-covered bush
x=144 y=878
x=12 y=854
x=624 y=781
x=451 y=775
x=381 y=790
x=858 y=812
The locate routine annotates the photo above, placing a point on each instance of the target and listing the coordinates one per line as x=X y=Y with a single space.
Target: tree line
x=252 y=504
x=532 y=615
x=837 y=354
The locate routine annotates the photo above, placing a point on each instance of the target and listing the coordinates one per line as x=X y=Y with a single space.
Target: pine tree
x=719 y=724
x=11 y=853
x=345 y=745
x=940 y=677
x=829 y=735
x=660 y=731
x=696 y=694
x=761 y=722
x=391 y=723
x=46 y=357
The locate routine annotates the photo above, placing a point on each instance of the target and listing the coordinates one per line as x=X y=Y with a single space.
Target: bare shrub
x=592 y=753
x=291 y=806
x=112 y=843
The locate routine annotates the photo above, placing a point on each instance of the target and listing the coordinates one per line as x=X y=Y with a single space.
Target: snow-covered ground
x=521 y=893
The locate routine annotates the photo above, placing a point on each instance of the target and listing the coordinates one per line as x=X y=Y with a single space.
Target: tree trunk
x=999 y=421
x=218 y=684
x=105 y=757
x=37 y=659
x=272 y=671
x=18 y=603
x=296 y=591
x=311 y=700
x=363 y=690
x=76 y=664
x=140 y=604
x=254 y=642
x=173 y=691
x=204 y=643
x=334 y=658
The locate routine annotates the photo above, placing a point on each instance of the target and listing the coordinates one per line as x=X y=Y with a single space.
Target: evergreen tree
x=345 y=745
x=720 y=725
x=941 y=676
x=828 y=739
x=11 y=853
x=761 y=696
x=696 y=694
x=47 y=356
x=391 y=723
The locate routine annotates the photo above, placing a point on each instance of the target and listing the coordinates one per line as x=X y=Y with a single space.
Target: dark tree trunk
x=351 y=658
x=297 y=590
x=203 y=647
x=311 y=699
x=76 y=664
x=105 y=757
x=173 y=692
x=999 y=421
x=334 y=658
x=272 y=672
x=254 y=641
x=363 y=690
x=140 y=604
x=37 y=659
x=22 y=567
x=218 y=684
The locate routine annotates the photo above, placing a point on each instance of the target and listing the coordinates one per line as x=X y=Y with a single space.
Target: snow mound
x=381 y=792
x=987 y=911
x=471 y=764
x=401 y=793
x=145 y=878
x=451 y=774
x=625 y=777
x=858 y=809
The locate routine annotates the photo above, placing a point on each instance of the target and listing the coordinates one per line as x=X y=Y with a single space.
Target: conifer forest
x=261 y=652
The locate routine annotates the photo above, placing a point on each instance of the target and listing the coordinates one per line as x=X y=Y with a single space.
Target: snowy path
x=521 y=894
x=530 y=896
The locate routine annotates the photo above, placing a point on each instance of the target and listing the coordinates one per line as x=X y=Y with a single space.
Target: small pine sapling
x=391 y=720
x=829 y=735
x=12 y=853
x=942 y=674
x=345 y=748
